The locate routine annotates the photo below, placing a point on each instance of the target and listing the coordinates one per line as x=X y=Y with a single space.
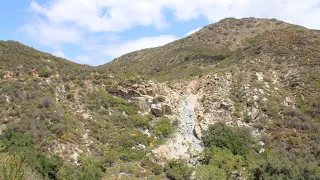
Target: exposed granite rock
x=157 y=110
x=166 y=109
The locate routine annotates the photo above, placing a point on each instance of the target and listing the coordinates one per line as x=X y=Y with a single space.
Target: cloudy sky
x=96 y=31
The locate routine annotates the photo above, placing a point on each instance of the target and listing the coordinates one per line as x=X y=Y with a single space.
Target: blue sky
x=97 y=31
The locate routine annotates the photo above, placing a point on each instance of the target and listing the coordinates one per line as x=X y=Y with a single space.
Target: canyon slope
x=239 y=99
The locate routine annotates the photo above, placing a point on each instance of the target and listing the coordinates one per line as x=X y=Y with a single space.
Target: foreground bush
x=223 y=136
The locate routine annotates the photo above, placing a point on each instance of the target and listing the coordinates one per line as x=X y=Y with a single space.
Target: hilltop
x=191 y=55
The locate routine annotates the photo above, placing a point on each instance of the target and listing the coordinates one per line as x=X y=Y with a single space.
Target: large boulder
x=160 y=109
x=166 y=109
x=157 y=110
x=150 y=91
x=127 y=93
x=197 y=132
x=142 y=103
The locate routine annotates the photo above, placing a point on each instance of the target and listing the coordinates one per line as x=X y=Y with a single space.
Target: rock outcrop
x=157 y=110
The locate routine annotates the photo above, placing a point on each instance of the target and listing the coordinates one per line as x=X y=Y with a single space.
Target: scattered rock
x=143 y=104
x=288 y=101
x=156 y=110
x=85 y=116
x=2 y=128
x=197 y=132
x=255 y=97
x=261 y=91
x=150 y=91
x=259 y=76
x=142 y=91
x=135 y=86
x=254 y=113
x=162 y=151
x=226 y=104
x=262 y=143
x=166 y=109
x=146 y=132
x=141 y=146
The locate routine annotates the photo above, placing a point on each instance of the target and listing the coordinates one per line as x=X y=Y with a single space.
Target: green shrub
x=48 y=167
x=237 y=110
x=224 y=159
x=223 y=136
x=140 y=121
x=110 y=156
x=68 y=171
x=272 y=107
x=13 y=167
x=128 y=109
x=90 y=168
x=129 y=154
x=1 y=74
x=195 y=71
x=155 y=168
x=178 y=170
x=23 y=145
x=163 y=127
x=209 y=172
x=46 y=102
x=257 y=84
x=247 y=119
x=250 y=39
x=45 y=73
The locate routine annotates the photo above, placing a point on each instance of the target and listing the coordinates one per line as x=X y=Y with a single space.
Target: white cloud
x=193 y=31
x=59 y=53
x=94 y=24
x=120 y=15
x=51 y=34
x=117 y=50
x=102 y=15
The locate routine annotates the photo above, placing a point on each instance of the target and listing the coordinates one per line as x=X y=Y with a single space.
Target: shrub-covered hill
x=190 y=55
x=56 y=115
x=254 y=85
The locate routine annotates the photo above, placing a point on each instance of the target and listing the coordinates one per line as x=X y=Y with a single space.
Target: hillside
x=190 y=55
x=239 y=99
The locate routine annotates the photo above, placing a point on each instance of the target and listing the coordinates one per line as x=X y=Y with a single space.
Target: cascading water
x=187 y=126
x=184 y=144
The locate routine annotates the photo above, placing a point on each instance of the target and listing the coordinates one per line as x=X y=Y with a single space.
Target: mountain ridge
x=212 y=43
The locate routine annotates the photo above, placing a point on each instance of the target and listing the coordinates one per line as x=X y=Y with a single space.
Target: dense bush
x=209 y=172
x=163 y=127
x=22 y=144
x=224 y=159
x=45 y=73
x=12 y=167
x=230 y=152
x=178 y=170
x=223 y=136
